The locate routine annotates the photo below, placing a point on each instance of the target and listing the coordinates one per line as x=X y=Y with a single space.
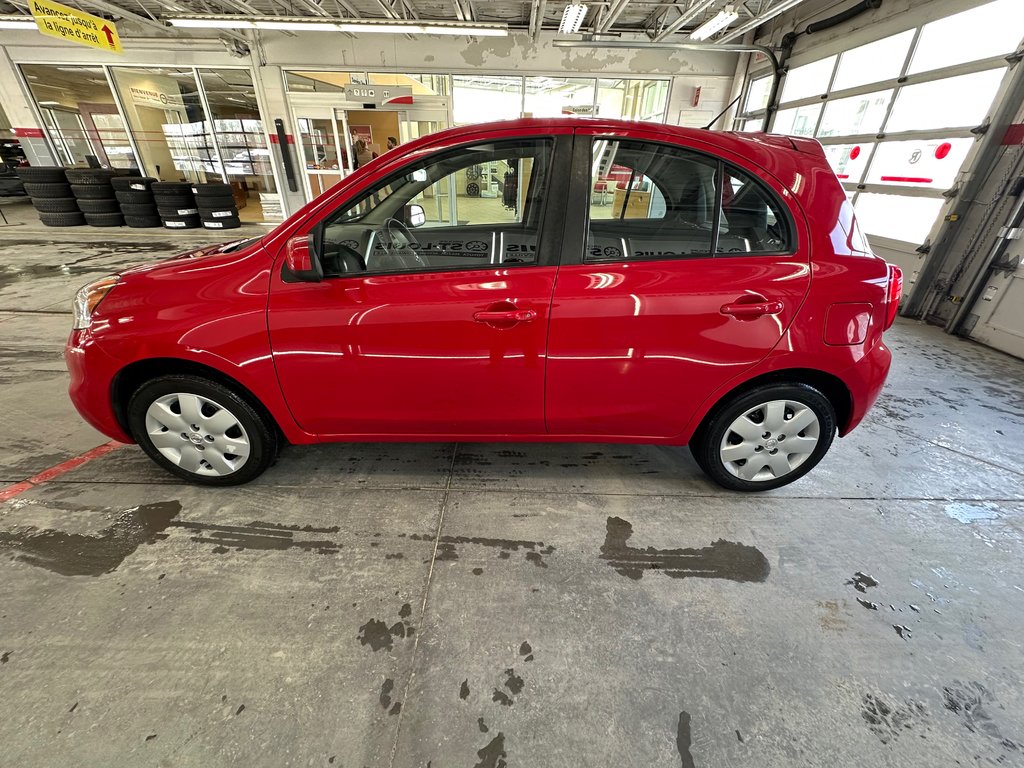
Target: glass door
x=319 y=143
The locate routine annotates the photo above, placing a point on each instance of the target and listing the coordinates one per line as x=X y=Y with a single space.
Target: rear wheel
x=201 y=431
x=766 y=438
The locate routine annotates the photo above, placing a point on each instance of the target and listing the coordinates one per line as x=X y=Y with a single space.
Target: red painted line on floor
x=57 y=470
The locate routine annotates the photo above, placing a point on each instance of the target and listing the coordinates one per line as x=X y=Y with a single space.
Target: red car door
x=651 y=312
x=437 y=329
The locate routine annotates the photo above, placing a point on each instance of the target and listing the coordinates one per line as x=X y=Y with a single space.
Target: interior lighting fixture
x=717 y=23
x=304 y=24
x=572 y=18
x=17 y=22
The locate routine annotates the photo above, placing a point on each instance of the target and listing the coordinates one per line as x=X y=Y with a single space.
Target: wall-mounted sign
x=153 y=97
x=579 y=109
x=696 y=97
x=379 y=94
x=75 y=26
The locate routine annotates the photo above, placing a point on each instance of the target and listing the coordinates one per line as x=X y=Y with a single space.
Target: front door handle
x=505 y=316
x=757 y=308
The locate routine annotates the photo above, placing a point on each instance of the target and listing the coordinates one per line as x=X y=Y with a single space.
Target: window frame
x=585 y=149
x=557 y=190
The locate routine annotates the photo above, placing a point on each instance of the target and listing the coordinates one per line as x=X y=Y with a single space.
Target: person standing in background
x=392 y=143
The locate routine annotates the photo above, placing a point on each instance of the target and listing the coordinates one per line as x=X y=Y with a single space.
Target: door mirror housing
x=301 y=261
x=415 y=216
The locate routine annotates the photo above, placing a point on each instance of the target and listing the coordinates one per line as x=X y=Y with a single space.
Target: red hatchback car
x=533 y=280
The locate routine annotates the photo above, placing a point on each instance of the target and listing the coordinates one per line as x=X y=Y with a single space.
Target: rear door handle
x=505 y=316
x=739 y=309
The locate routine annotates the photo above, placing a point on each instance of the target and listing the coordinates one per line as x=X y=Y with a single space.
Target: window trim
x=721 y=165
x=557 y=195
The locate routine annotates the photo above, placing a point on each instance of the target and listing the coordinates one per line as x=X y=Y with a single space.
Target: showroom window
x=172 y=123
x=80 y=115
x=896 y=115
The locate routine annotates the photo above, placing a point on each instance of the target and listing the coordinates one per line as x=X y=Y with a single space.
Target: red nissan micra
x=533 y=280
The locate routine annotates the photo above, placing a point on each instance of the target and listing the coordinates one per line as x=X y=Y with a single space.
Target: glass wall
x=479 y=98
x=197 y=125
x=896 y=115
x=80 y=115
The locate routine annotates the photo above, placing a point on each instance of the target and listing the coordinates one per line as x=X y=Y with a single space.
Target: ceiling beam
x=116 y=10
x=685 y=17
x=781 y=7
x=614 y=11
x=537 y=11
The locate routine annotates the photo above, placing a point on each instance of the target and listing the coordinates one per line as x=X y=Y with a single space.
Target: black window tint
x=649 y=201
x=752 y=219
x=476 y=206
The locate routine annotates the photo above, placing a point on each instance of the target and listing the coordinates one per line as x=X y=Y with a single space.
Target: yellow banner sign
x=75 y=26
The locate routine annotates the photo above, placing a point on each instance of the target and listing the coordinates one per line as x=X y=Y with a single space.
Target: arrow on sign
x=110 y=35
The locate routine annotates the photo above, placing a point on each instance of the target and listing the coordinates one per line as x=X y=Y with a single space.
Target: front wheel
x=201 y=431
x=766 y=438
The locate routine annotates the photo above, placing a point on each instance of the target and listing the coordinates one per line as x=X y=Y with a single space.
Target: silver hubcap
x=770 y=440
x=197 y=434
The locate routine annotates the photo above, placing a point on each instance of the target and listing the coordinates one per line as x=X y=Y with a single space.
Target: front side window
x=472 y=207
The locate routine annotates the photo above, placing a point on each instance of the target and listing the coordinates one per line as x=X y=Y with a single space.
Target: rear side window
x=655 y=201
x=650 y=201
x=752 y=219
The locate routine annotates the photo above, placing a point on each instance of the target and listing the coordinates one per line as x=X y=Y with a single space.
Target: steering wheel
x=396 y=240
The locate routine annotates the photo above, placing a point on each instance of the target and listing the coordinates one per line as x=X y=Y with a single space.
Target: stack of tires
x=135 y=196
x=176 y=204
x=51 y=196
x=216 y=205
x=95 y=196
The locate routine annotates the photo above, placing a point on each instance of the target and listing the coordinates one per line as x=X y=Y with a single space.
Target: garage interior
x=437 y=604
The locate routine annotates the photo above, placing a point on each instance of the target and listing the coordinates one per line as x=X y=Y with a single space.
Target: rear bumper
x=865 y=380
x=92 y=374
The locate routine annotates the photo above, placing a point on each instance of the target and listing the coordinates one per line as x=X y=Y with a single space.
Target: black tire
x=135 y=197
x=181 y=222
x=172 y=187
x=89 y=175
x=139 y=209
x=707 y=444
x=55 y=204
x=104 y=219
x=142 y=222
x=47 y=189
x=176 y=211
x=93 y=191
x=132 y=183
x=214 y=214
x=99 y=206
x=229 y=223
x=261 y=433
x=63 y=219
x=44 y=174
x=216 y=203
x=213 y=189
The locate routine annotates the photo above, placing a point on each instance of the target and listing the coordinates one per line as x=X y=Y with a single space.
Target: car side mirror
x=301 y=261
x=415 y=216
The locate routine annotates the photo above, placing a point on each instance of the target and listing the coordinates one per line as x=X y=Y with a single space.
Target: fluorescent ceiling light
x=572 y=18
x=310 y=24
x=49 y=103
x=725 y=17
x=17 y=22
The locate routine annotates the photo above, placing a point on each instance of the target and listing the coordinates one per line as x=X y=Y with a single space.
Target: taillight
x=892 y=294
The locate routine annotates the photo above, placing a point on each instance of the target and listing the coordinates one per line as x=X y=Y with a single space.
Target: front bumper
x=92 y=375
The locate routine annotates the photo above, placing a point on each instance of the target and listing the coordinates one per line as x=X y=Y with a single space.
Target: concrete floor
x=508 y=605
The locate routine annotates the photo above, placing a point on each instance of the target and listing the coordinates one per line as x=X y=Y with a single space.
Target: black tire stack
x=95 y=196
x=51 y=196
x=135 y=196
x=176 y=204
x=216 y=204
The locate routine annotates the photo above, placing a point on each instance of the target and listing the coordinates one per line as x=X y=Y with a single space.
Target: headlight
x=88 y=298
